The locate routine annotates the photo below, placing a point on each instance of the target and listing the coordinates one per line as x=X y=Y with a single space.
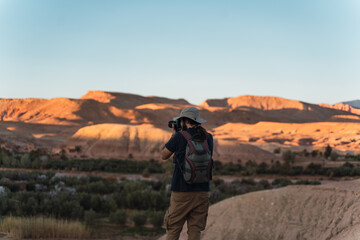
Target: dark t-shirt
x=177 y=145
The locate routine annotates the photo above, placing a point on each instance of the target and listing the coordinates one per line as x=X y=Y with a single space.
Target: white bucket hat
x=192 y=113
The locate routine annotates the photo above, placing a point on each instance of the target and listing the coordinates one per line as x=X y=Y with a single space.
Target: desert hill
x=120 y=141
x=245 y=127
x=128 y=101
x=343 y=107
x=146 y=142
x=94 y=107
x=257 y=102
x=328 y=211
x=354 y=103
x=275 y=109
x=343 y=136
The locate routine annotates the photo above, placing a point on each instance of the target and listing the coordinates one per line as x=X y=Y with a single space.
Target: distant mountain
x=112 y=124
x=256 y=102
x=354 y=103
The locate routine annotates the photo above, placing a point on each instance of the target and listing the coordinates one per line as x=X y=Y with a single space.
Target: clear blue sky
x=306 y=50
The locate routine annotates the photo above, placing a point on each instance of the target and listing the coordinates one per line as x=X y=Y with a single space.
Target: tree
x=327 y=152
x=289 y=157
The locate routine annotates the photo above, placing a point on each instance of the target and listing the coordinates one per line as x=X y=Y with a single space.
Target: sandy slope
x=330 y=211
x=120 y=141
x=342 y=136
x=144 y=142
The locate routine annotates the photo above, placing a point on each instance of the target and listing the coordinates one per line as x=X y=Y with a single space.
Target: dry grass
x=41 y=227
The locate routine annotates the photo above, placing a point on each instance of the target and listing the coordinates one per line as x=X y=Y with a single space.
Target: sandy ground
x=326 y=212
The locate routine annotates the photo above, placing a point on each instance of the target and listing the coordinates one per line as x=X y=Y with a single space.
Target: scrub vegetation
x=37 y=193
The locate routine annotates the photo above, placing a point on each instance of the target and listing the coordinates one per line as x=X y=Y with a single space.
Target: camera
x=175 y=124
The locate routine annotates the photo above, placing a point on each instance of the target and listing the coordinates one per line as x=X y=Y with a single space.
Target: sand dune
x=330 y=211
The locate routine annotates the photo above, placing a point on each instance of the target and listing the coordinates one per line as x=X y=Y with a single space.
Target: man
x=189 y=201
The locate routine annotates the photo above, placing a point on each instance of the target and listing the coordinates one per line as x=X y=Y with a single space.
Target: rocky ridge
x=244 y=127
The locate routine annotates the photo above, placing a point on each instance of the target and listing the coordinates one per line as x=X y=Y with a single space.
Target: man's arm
x=165 y=153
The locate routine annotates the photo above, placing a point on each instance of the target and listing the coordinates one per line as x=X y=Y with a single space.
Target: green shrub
x=307 y=182
x=313 y=168
x=281 y=182
x=157 y=219
x=109 y=205
x=139 y=218
x=118 y=217
x=90 y=217
x=288 y=156
x=334 y=156
x=265 y=184
x=249 y=181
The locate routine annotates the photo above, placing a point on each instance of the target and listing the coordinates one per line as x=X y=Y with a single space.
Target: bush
x=307 y=182
x=277 y=150
x=139 y=218
x=109 y=205
x=264 y=184
x=118 y=217
x=90 y=217
x=248 y=181
x=313 y=168
x=157 y=219
x=250 y=167
x=288 y=156
x=334 y=156
x=281 y=182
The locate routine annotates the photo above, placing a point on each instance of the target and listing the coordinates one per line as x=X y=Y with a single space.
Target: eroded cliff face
x=329 y=211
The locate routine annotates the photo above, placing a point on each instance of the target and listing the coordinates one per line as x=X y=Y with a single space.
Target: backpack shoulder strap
x=186 y=135
x=188 y=138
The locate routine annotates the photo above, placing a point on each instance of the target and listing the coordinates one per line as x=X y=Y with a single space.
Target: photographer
x=192 y=146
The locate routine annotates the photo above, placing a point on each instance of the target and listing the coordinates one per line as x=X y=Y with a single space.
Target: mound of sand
x=330 y=211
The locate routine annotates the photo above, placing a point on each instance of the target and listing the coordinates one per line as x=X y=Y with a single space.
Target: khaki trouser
x=186 y=206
